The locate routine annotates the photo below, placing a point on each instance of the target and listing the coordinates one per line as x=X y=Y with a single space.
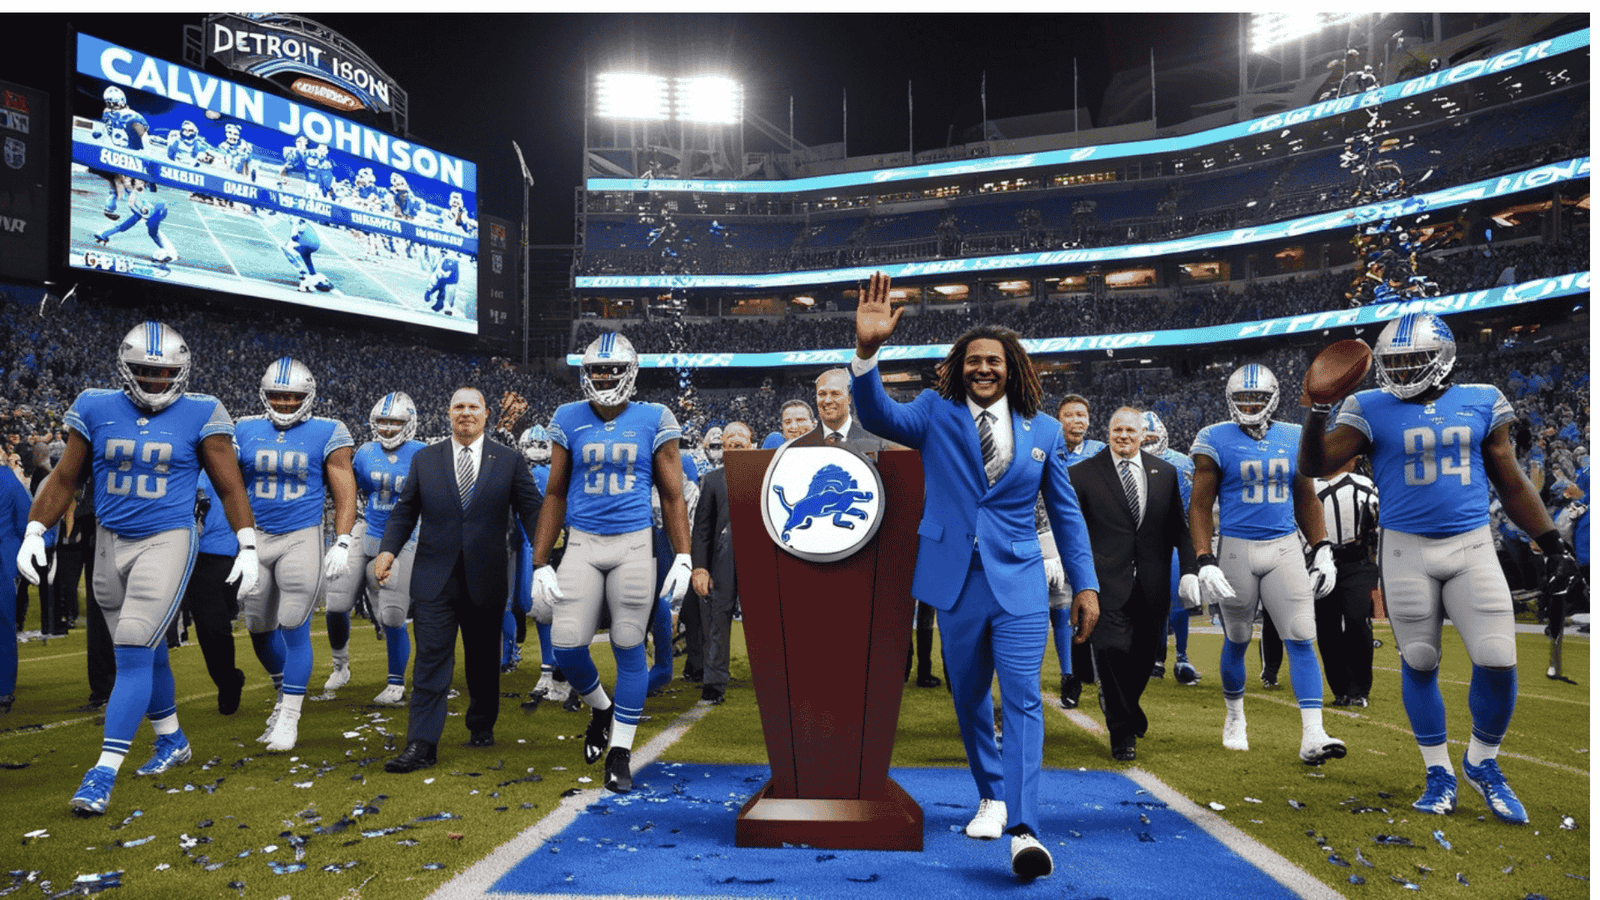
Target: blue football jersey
x=236 y=154
x=380 y=475
x=1185 y=467
x=146 y=466
x=119 y=128
x=1427 y=458
x=216 y=536
x=1257 y=484
x=186 y=150
x=612 y=463
x=283 y=469
x=1088 y=448
x=541 y=477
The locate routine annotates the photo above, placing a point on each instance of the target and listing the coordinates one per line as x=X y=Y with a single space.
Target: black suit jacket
x=712 y=546
x=477 y=534
x=857 y=438
x=1133 y=565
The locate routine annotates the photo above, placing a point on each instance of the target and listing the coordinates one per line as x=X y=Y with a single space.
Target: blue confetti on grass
x=282 y=868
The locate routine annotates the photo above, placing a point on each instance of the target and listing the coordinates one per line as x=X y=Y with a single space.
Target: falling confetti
x=1568 y=823
x=1216 y=806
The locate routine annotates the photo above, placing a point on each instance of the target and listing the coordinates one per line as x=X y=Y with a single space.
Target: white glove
x=1189 y=591
x=1214 y=586
x=31 y=556
x=1054 y=575
x=677 y=583
x=546 y=589
x=246 y=569
x=337 y=560
x=1323 y=573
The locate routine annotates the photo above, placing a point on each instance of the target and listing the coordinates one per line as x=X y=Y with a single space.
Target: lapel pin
x=1038 y=454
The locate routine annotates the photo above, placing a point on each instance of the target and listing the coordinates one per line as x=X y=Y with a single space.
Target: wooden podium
x=828 y=645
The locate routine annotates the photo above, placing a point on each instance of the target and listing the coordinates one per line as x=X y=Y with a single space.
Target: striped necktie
x=465 y=476
x=1131 y=487
x=986 y=444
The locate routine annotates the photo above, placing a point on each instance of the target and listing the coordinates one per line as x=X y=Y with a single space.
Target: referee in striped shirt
x=1344 y=623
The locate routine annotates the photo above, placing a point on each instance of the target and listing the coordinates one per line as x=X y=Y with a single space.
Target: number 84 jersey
x=146 y=466
x=1427 y=458
x=282 y=469
x=612 y=463
x=1256 y=488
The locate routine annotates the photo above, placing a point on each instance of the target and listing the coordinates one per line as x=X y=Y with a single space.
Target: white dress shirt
x=1140 y=478
x=475 y=450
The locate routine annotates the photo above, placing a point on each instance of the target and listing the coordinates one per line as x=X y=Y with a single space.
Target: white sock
x=112 y=761
x=167 y=725
x=1235 y=705
x=291 y=705
x=597 y=699
x=1311 y=718
x=622 y=735
x=1478 y=751
x=341 y=657
x=1437 y=755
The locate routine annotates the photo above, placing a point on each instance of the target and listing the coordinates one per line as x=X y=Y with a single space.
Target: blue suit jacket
x=961 y=511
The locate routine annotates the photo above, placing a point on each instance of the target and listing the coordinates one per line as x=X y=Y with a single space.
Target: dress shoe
x=1123 y=751
x=482 y=738
x=1029 y=858
x=712 y=695
x=228 y=693
x=929 y=681
x=416 y=755
x=598 y=735
x=619 y=770
x=1340 y=701
x=1071 y=690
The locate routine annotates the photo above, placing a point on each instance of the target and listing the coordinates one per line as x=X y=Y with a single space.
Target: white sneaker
x=1316 y=746
x=285 y=732
x=1029 y=858
x=272 y=722
x=989 y=822
x=393 y=695
x=1233 y=733
x=559 y=691
x=338 y=678
x=546 y=683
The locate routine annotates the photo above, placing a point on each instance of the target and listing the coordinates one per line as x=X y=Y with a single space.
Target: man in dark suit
x=987 y=453
x=713 y=577
x=837 y=426
x=1135 y=514
x=463 y=491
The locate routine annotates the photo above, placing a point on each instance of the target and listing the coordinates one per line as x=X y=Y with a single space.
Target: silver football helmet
x=535 y=445
x=1155 y=434
x=713 y=445
x=115 y=98
x=154 y=365
x=393 y=420
x=288 y=376
x=1252 y=385
x=610 y=366
x=1415 y=354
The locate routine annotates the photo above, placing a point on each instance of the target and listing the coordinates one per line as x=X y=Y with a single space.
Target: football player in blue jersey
x=607 y=454
x=144 y=446
x=124 y=128
x=535 y=446
x=380 y=467
x=441 y=292
x=291 y=460
x=295 y=159
x=143 y=207
x=185 y=145
x=1077 y=665
x=1247 y=467
x=1184 y=591
x=236 y=152
x=14 y=503
x=319 y=171
x=303 y=240
x=1436 y=450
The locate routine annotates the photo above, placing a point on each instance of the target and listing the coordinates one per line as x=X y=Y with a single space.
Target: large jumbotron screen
x=185 y=178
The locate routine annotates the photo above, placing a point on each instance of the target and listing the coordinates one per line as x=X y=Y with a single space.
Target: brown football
x=1336 y=371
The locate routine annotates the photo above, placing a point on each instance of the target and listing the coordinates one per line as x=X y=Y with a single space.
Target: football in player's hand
x=1336 y=371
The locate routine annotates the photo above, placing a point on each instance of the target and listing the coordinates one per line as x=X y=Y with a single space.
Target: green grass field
x=230 y=821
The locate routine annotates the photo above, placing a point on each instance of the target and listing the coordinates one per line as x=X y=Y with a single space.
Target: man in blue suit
x=987 y=453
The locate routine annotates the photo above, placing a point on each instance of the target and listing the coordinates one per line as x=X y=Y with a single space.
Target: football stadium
x=1172 y=481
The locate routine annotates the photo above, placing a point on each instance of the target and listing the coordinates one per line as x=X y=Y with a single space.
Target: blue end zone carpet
x=673 y=836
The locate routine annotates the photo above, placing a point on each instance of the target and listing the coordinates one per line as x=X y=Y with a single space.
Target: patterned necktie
x=835 y=437
x=1130 y=486
x=465 y=476
x=986 y=444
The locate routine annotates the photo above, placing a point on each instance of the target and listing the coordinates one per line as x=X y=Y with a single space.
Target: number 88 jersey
x=146 y=465
x=1427 y=458
x=1256 y=487
x=283 y=469
x=608 y=491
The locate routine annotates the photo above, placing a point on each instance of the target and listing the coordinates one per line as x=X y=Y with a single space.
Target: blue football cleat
x=1440 y=796
x=94 y=795
x=1489 y=781
x=171 y=750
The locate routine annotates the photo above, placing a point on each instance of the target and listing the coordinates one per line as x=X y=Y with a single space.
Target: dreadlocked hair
x=1023 y=390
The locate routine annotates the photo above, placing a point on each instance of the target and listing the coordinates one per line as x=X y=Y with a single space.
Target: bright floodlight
x=708 y=99
x=1267 y=30
x=625 y=96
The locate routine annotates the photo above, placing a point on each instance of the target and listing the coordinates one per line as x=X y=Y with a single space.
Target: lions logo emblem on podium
x=821 y=503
